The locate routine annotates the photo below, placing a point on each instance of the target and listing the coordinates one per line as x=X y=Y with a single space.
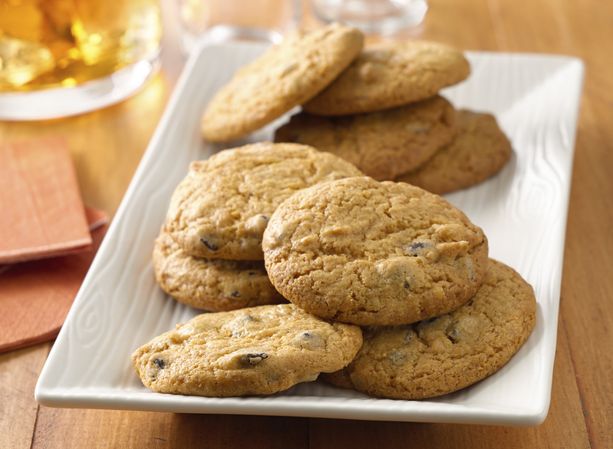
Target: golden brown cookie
x=259 y=350
x=220 y=210
x=479 y=151
x=286 y=75
x=453 y=351
x=382 y=144
x=391 y=75
x=210 y=284
x=373 y=253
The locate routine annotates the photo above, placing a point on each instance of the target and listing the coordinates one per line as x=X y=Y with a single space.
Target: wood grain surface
x=107 y=145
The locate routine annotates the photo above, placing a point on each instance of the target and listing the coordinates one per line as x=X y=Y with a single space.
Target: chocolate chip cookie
x=220 y=210
x=390 y=75
x=253 y=351
x=373 y=253
x=450 y=352
x=382 y=144
x=210 y=284
x=479 y=151
x=285 y=76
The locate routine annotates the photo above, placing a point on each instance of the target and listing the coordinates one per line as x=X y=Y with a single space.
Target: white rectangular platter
x=522 y=210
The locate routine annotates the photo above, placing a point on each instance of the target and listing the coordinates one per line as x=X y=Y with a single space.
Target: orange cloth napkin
x=42 y=211
x=45 y=242
x=36 y=296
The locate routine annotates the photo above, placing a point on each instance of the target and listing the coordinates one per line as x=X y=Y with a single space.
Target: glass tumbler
x=373 y=16
x=65 y=57
x=227 y=20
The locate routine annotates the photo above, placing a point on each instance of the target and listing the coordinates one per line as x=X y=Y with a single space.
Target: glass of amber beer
x=65 y=57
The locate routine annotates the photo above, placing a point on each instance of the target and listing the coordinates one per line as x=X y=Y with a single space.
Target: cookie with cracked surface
x=285 y=76
x=448 y=353
x=373 y=253
x=391 y=75
x=220 y=210
x=382 y=144
x=479 y=151
x=210 y=284
x=253 y=351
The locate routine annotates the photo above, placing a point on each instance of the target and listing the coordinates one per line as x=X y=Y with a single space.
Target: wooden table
x=107 y=145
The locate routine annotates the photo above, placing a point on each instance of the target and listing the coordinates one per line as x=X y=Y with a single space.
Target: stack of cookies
x=209 y=256
x=378 y=108
x=412 y=271
x=391 y=289
x=209 y=252
x=384 y=114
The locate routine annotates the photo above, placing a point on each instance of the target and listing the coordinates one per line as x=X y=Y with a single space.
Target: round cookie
x=382 y=144
x=390 y=75
x=479 y=151
x=220 y=210
x=447 y=353
x=259 y=350
x=210 y=284
x=373 y=253
x=285 y=76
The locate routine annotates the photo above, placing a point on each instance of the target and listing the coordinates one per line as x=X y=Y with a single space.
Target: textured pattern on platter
x=522 y=210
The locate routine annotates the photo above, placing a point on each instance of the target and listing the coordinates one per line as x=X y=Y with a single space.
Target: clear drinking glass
x=224 y=20
x=64 y=57
x=373 y=16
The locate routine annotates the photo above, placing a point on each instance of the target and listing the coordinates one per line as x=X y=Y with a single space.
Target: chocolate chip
x=252 y=359
x=159 y=363
x=235 y=294
x=453 y=334
x=407 y=285
x=309 y=340
x=418 y=248
x=209 y=244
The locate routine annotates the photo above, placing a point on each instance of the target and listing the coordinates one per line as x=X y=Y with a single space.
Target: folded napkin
x=36 y=296
x=42 y=211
